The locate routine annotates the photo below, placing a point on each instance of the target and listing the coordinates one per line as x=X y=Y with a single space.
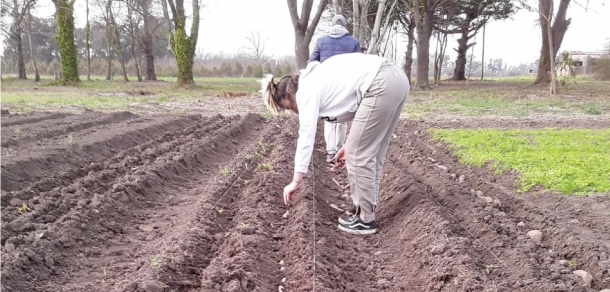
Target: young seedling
x=268 y=166
x=225 y=172
x=69 y=139
x=153 y=261
x=105 y=271
x=168 y=197
x=219 y=210
x=17 y=131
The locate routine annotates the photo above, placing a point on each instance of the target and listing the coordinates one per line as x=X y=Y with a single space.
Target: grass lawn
x=24 y=95
x=564 y=161
x=509 y=97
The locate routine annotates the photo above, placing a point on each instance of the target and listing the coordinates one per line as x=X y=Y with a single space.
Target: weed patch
x=565 y=161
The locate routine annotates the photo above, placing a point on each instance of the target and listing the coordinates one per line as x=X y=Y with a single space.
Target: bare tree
x=145 y=26
x=257 y=46
x=16 y=10
x=552 y=36
x=302 y=32
x=32 y=50
x=408 y=25
x=376 y=34
x=132 y=28
x=116 y=38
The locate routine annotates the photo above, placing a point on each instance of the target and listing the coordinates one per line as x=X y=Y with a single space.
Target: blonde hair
x=268 y=89
x=273 y=93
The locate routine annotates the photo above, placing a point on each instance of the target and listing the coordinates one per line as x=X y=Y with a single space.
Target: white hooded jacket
x=331 y=91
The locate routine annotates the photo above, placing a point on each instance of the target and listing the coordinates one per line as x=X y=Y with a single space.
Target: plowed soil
x=120 y=202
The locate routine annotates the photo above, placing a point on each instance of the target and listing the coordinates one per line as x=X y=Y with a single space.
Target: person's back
x=336 y=41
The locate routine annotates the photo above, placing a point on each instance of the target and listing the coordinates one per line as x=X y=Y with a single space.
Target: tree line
x=137 y=33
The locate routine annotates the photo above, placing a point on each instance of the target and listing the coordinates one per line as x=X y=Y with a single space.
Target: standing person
x=336 y=41
x=364 y=89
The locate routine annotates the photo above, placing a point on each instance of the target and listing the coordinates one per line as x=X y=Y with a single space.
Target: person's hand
x=290 y=190
x=339 y=158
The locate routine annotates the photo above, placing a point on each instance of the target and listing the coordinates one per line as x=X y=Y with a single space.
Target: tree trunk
x=183 y=46
x=441 y=57
x=64 y=17
x=109 y=59
x=483 y=55
x=438 y=39
x=558 y=30
x=116 y=37
x=20 y=58
x=360 y=21
x=32 y=54
x=88 y=43
x=424 y=32
x=459 y=73
x=150 y=65
x=135 y=58
x=551 y=49
x=409 y=53
x=375 y=37
x=302 y=32
x=147 y=45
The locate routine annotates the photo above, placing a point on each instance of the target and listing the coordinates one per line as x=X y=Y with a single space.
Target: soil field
x=121 y=202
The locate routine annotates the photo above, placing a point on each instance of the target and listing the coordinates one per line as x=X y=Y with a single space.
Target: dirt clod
x=150 y=286
x=535 y=236
x=585 y=276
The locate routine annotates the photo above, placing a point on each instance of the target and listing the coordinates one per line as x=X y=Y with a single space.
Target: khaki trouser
x=334 y=135
x=370 y=134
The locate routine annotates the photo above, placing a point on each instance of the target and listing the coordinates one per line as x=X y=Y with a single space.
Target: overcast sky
x=225 y=24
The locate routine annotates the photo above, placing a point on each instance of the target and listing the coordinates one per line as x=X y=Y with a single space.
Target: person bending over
x=336 y=41
x=365 y=89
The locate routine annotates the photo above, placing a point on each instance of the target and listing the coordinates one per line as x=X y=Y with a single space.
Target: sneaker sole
x=354 y=231
x=343 y=221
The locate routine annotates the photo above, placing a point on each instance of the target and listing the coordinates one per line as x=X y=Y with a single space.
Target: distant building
x=582 y=62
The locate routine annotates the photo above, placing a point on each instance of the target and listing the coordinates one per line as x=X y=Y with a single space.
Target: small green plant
x=571 y=264
x=153 y=261
x=268 y=166
x=168 y=197
x=246 y=166
x=219 y=210
x=17 y=131
x=224 y=172
x=105 y=271
x=69 y=139
x=267 y=115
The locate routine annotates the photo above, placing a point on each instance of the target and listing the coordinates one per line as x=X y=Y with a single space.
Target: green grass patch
x=564 y=161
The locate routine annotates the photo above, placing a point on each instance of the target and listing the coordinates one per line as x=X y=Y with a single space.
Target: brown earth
x=120 y=202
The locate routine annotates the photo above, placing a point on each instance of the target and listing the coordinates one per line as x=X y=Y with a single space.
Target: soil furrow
x=47 y=207
x=92 y=200
x=18 y=136
x=12 y=120
x=140 y=198
x=21 y=170
x=144 y=153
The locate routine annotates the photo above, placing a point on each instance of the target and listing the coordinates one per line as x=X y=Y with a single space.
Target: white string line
x=313 y=203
